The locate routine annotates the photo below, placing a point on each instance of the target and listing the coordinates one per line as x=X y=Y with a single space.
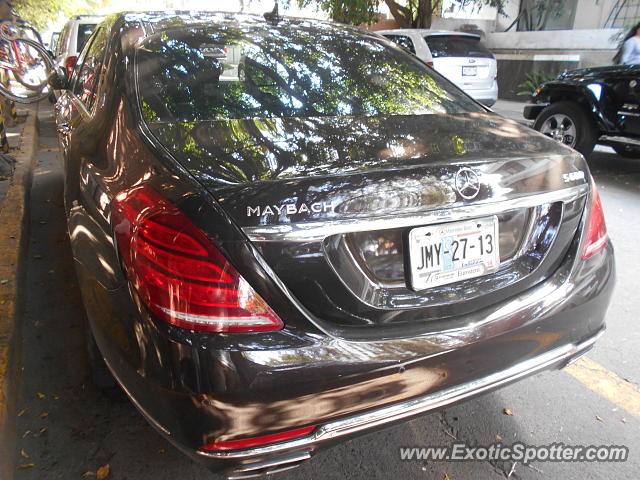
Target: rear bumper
x=555 y=358
x=347 y=387
x=486 y=96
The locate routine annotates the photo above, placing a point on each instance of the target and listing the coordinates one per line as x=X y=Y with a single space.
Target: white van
x=72 y=38
x=461 y=57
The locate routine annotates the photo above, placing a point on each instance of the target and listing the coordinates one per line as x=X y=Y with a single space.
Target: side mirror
x=58 y=80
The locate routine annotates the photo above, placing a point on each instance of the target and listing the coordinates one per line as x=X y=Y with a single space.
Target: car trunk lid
x=313 y=195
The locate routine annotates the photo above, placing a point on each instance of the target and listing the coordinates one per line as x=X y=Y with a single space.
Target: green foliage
x=407 y=13
x=41 y=13
x=533 y=81
x=353 y=12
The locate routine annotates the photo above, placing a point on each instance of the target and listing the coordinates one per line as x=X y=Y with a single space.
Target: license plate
x=451 y=252
x=469 y=71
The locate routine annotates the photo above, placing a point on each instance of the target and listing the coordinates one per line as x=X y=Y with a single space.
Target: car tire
x=627 y=151
x=100 y=375
x=570 y=124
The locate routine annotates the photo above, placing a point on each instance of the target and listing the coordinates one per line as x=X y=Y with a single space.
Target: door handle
x=64 y=128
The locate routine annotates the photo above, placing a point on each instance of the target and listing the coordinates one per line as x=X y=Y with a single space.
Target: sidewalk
x=7 y=161
x=13 y=243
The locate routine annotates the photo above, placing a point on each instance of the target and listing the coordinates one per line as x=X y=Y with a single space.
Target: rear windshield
x=456 y=46
x=84 y=32
x=257 y=70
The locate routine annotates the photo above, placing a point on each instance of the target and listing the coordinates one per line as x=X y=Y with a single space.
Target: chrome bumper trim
x=317 y=231
x=559 y=356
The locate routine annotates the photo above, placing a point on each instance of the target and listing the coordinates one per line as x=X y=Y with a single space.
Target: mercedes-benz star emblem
x=467 y=183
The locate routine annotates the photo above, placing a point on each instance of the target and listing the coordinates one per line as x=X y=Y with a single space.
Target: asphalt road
x=70 y=428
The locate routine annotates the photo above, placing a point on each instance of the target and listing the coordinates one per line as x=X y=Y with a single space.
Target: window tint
x=87 y=76
x=456 y=46
x=289 y=70
x=403 y=41
x=84 y=32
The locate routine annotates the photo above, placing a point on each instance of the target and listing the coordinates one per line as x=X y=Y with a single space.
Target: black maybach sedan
x=289 y=232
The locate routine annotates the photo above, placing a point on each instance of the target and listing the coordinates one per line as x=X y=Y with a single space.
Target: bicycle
x=24 y=60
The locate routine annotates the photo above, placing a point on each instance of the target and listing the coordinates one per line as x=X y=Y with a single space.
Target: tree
x=41 y=13
x=407 y=13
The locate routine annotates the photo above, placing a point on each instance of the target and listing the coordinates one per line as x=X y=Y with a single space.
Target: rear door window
x=88 y=75
x=403 y=41
x=456 y=46
x=84 y=32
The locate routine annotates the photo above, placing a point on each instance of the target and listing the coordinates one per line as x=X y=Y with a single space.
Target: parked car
x=55 y=36
x=591 y=105
x=290 y=232
x=461 y=57
x=72 y=38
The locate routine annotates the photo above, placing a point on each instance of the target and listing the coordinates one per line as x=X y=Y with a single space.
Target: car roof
x=424 y=31
x=153 y=22
x=177 y=18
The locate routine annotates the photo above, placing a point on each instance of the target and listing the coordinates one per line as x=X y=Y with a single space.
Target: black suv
x=592 y=105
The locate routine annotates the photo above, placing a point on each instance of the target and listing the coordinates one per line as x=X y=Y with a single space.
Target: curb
x=14 y=214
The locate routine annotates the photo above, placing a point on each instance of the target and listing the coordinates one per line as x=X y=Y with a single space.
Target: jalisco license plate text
x=451 y=252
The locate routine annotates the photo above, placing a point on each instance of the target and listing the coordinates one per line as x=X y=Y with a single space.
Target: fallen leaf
x=55 y=397
x=498 y=438
x=41 y=395
x=26 y=465
x=4 y=282
x=103 y=472
x=23 y=411
x=160 y=451
x=88 y=474
x=506 y=411
x=43 y=415
x=446 y=477
x=26 y=434
x=41 y=432
x=599 y=418
x=24 y=454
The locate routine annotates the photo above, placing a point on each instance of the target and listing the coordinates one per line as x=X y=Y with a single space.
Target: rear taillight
x=430 y=64
x=69 y=65
x=596 y=237
x=258 y=441
x=178 y=273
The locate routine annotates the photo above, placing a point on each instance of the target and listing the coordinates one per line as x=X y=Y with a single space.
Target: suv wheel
x=568 y=123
